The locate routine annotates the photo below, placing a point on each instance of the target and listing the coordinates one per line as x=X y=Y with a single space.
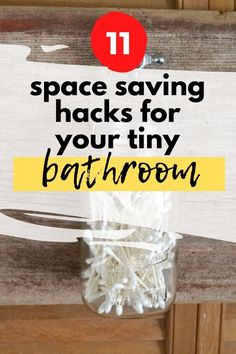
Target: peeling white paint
x=53 y=48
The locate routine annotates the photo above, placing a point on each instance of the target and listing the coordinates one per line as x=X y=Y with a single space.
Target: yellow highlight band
x=119 y=173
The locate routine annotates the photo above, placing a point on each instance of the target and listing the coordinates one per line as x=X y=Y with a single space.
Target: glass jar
x=129 y=256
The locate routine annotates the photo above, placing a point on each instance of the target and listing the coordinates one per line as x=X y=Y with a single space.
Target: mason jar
x=129 y=255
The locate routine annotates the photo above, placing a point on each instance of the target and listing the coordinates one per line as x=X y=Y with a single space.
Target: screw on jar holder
x=151 y=59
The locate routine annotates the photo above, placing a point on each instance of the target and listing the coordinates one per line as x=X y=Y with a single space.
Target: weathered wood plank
x=75 y=329
x=33 y=272
x=184 y=340
x=230 y=311
x=168 y=32
x=221 y=5
x=56 y=323
x=229 y=330
x=195 y=4
x=206 y=271
x=170 y=330
x=53 y=312
x=204 y=328
x=74 y=347
x=229 y=348
x=209 y=325
x=156 y=4
x=180 y=4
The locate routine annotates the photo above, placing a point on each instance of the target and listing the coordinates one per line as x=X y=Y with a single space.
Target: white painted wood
x=27 y=128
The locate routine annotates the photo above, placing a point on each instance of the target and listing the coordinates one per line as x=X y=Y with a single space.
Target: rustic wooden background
x=208 y=44
x=220 y=5
x=212 y=277
x=39 y=273
x=73 y=329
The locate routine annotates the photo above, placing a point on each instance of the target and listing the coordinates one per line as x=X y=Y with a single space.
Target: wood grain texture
x=208 y=328
x=156 y=4
x=184 y=340
x=210 y=35
x=63 y=327
x=33 y=272
x=203 y=329
x=206 y=271
x=74 y=347
x=75 y=329
x=217 y=5
x=229 y=323
x=230 y=311
x=229 y=348
x=170 y=330
x=228 y=329
x=195 y=4
x=221 y=5
x=54 y=329
x=180 y=4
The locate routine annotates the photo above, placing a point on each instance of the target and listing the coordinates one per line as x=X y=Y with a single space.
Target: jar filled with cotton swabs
x=129 y=254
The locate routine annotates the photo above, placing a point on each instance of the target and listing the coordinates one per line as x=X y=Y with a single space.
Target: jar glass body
x=129 y=268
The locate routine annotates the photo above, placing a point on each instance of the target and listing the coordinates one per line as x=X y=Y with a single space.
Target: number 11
x=113 y=42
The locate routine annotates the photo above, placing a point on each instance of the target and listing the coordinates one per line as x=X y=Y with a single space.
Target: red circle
x=118 y=22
